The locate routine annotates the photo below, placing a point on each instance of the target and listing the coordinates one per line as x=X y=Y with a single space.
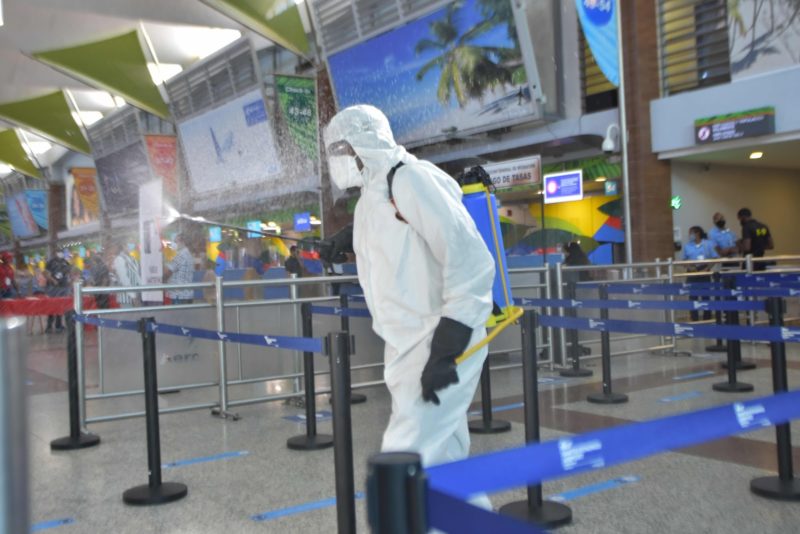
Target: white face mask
x=60 y=255
x=344 y=172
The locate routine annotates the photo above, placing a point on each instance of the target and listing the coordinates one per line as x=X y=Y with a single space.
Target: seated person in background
x=699 y=248
x=293 y=265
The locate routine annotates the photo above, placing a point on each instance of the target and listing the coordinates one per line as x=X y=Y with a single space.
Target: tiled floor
x=701 y=489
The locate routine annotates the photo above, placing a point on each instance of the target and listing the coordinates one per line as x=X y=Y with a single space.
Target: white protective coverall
x=413 y=273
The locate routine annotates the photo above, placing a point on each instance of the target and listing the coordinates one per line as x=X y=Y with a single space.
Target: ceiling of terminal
x=180 y=31
x=780 y=155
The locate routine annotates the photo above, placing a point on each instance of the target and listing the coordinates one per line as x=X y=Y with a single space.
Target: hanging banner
x=119 y=176
x=599 y=22
x=37 y=203
x=163 y=152
x=298 y=103
x=151 y=260
x=82 y=197
x=23 y=225
x=232 y=146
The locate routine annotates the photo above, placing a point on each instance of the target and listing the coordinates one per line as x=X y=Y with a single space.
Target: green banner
x=13 y=155
x=298 y=102
x=277 y=20
x=117 y=65
x=49 y=116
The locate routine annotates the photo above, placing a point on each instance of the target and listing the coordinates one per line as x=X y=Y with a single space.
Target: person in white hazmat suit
x=427 y=277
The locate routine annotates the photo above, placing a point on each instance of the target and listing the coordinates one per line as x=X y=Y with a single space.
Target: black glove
x=450 y=340
x=335 y=249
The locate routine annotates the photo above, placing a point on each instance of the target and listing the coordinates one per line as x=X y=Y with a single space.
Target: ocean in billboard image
x=231 y=145
x=455 y=71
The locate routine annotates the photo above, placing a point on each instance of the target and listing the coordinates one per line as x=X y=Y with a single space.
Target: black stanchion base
x=216 y=412
x=775 y=488
x=717 y=348
x=495 y=426
x=736 y=387
x=607 y=398
x=576 y=372
x=69 y=443
x=741 y=365
x=144 y=495
x=310 y=443
x=549 y=515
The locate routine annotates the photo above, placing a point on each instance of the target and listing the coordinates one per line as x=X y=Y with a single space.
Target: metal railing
x=551 y=285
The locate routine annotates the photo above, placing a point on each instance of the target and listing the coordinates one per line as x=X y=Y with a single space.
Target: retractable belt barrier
x=743 y=333
x=532 y=464
x=274 y=342
x=340 y=311
x=694 y=290
x=731 y=305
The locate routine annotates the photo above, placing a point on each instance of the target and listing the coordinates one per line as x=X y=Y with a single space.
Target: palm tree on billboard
x=467 y=70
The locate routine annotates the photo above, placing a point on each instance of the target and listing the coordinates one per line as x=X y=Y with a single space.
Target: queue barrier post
x=784 y=487
x=719 y=345
x=574 y=346
x=607 y=396
x=310 y=441
x=734 y=347
x=14 y=429
x=338 y=347
x=396 y=494
x=77 y=439
x=487 y=424
x=534 y=509
x=741 y=365
x=155 y=491
x=344 y=302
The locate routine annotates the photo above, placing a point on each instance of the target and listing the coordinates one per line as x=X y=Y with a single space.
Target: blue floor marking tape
x=699 y=374
x=322 y=415
x=577 y=493
x=683 y=396
x=205 y=459
x=44 y=525
x=299 y=509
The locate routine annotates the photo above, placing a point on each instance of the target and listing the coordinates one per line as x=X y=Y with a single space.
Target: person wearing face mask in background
x=722 y=237
x=699 y=247
x=57 y=271
x=427 y=277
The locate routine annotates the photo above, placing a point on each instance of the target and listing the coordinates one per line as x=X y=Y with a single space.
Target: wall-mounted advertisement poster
x=120 y=174
x=297 y=98
x=163 y=153
x=232 y=146
x=37 y=203
x=23 y=225
x=83 y=200
x=457 y=71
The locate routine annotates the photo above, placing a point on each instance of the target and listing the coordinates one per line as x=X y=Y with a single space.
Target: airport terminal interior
x=399 y=266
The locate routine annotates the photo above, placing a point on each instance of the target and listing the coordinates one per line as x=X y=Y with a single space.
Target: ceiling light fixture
x=600 y=179
x=756 y=155
x=5 y=170
x=202 y=42
x=87 y=118
x=162 y=72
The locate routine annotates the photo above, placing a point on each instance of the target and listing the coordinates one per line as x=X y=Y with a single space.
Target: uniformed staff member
x=756 y=238
x=699 y=247
x=723 y=238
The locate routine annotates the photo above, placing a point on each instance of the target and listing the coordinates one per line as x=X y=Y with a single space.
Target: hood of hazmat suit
x=415 y=270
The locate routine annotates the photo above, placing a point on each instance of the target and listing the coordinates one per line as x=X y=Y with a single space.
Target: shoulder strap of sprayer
x=390 y=180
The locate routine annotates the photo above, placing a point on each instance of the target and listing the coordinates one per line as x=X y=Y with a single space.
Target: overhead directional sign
x=750 y=123
x=507 y=174
x=563 y=186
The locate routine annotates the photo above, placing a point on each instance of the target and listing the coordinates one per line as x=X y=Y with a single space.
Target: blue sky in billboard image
x=383 y=71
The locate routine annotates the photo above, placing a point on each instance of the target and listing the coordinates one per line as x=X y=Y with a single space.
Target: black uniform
x=759 y=236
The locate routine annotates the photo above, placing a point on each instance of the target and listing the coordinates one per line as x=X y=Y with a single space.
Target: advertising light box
x=457 y=71
x=563 y=186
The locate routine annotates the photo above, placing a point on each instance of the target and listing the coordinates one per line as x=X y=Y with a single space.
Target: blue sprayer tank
x=481 y=204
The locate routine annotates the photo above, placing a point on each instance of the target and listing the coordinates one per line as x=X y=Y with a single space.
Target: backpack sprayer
x=481 y=203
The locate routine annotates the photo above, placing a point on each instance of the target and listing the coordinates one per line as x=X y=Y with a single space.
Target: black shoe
x=48 y=329
x=59 y=329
